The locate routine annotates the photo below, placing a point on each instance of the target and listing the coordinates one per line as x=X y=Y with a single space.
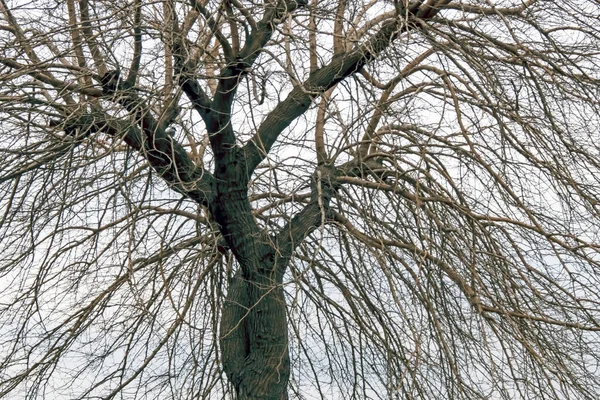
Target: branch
x=249 y=19
x=214 y=27
x=235 y=34
x=137 y=44
x=190 y=86
x=90 y=38
x=221 y=134
x=166 y=155
x=26 y=46
x=384 y=101
x=338 y=47
x=51 y=154
x=319 y=81
x=77 y=41
x=49 y=79
x=476 y=9
x=323 y=187
x=431 y=8
x=325 y=183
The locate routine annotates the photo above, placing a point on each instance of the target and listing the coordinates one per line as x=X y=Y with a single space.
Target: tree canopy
x=308 y=200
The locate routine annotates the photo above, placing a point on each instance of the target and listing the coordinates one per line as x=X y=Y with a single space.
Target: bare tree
x=283 y=199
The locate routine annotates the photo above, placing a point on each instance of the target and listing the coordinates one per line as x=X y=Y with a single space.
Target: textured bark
x=254 y=340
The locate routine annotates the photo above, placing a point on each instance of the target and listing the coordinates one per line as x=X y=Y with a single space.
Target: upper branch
x=319 y=81
x=214 y=27
x=240 y=65
x=477 y=9
x=184 y=70
x=90 y=37
x=137 y=44
x=326 y=178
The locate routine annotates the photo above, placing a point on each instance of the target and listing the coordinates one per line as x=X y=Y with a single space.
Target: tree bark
x=254 y=339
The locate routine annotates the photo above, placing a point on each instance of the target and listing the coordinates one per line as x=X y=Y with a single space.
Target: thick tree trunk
x=254 y=332
x=254 y=339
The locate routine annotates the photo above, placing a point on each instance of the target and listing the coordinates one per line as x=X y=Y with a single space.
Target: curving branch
x=323 y=79
x=323 y=187
x=165 y=154
x=214 y=27
x=184 y=68
x=222 y=136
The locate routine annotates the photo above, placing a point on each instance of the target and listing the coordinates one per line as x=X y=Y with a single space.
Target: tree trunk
x=253 y=332
x=254 y=339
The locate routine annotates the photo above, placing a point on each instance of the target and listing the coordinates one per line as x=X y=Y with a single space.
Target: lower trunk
x=254 y=339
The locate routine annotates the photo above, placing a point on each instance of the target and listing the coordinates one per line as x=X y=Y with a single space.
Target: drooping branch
x=369 y=133
x=26 y=46
x=325 y=182
x=49 y=79
x=76 y=131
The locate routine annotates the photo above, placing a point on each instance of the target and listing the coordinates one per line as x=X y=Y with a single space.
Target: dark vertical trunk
x=254 y=333
x=254 y=340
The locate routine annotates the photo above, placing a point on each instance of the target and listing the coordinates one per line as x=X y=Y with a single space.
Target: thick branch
x=325 y=183
x=90 y=38
x=166 y=155
x=137 y=44
x=184 y=71
x=213 y=24
x=319 y=81
x=231 y=210
x=170 y=160
x=323 y=187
